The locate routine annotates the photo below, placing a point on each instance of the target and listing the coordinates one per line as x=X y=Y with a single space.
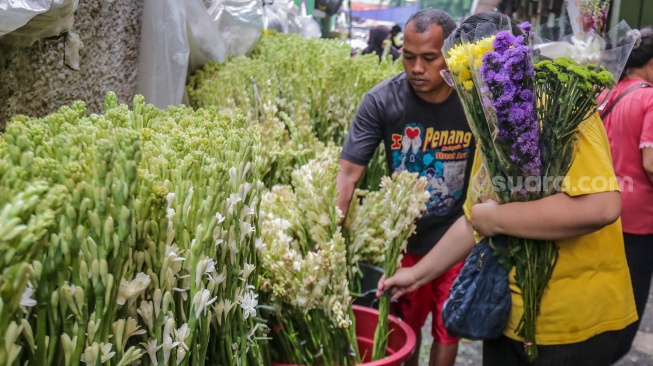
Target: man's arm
x=346 y=181
x=556 y=217
x=647 y=158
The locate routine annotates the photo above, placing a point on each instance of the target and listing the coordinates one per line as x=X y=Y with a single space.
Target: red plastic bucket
x=401 y=339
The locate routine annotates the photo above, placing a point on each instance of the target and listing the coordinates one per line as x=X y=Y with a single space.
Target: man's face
x=423 y=60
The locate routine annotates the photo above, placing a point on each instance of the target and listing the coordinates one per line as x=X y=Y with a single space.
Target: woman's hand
x=402 y=282
x=484 y=218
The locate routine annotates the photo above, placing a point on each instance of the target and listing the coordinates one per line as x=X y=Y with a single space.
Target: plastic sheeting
x=240 y=23
x=177 y=37
x=23 y=22
x=285 y=17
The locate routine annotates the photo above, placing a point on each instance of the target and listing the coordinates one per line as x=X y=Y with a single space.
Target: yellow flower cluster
x=461 y=57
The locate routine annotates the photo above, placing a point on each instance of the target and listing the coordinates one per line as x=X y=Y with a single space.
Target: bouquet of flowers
x=377 y=232
x=594 y=15
x=525 y=113
x=304 y=270
x=403 y=199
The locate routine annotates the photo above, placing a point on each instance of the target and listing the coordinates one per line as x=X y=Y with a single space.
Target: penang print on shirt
x=440 y=156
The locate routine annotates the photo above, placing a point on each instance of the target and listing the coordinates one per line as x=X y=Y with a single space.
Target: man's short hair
x=425 y=18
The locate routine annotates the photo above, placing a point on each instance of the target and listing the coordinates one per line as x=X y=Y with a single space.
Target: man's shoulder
x=389 y=86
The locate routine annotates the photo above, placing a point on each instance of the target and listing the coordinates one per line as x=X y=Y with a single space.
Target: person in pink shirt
x=628 y=120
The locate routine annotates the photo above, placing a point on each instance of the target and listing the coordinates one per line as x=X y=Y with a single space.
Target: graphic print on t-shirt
x=440 y=156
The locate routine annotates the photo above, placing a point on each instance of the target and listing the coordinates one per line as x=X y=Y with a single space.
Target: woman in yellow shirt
x=589 y=298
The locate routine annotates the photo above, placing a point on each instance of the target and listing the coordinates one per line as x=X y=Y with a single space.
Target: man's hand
x=402 y=282
x=346 y=181
x=484 y=218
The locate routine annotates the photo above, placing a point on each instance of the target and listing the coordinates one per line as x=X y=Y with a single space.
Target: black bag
x=479 y=302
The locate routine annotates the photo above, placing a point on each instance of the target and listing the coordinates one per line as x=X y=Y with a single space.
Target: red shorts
x=414 y=307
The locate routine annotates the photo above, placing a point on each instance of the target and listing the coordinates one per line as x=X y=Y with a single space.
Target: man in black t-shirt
x=421 y=122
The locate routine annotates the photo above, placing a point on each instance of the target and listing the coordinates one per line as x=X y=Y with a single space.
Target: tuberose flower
x=248 y=302
x=132 y=289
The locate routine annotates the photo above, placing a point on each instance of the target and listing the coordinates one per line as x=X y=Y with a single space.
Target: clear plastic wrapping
x=24 y=22
x=240 y=23
x=176 y=38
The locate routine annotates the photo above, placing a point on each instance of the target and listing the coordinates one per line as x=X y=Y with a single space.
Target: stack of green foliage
x=314 y=84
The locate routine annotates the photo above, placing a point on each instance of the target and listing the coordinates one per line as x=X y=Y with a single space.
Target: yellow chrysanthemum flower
x=457 y=60
x=479 y=50
x=469 y=85
x=483 y=46
x=464 y=76
x=462 y=57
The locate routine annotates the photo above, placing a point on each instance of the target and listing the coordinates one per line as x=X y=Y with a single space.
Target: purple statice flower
x=503 y=41
x=525 y=27
x=508 y=77
x=533 y=167
x=515 y=62
x=527 y=96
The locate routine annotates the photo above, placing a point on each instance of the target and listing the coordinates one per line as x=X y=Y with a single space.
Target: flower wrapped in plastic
x=525 y=102
x=586 y=46
x=594 y=15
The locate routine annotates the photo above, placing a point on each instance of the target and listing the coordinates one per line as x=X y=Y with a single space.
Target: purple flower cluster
x=508 y=76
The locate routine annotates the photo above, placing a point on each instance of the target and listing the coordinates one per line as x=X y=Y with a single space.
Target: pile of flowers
x=316 y=79
x=594 y=15
x=525 y=118
x=130 y=237
x=135 y=236
x=308 y=262
x=304 y=269
x=302 y=90
x=378 y=232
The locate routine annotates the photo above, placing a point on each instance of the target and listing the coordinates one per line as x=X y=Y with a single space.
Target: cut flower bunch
x=525 y=113
x=308 y=263
x=304 y=269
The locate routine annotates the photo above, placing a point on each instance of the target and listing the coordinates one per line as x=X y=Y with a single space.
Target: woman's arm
x=556 y=217
x=647 y=158
x=453 y=247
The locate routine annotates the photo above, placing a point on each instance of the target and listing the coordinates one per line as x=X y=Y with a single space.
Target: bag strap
x=628 y=91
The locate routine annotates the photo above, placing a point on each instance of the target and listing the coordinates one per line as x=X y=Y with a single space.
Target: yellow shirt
x=590 y=290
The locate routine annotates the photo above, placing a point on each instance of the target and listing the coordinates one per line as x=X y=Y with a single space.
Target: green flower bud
x=27 y=333
x=83 y=271
x=131 y=355
x=118 y=331
x=54 y=299
x=92 y=354
x=94 y=218
x=606 y=79
x=167 y=300
x=69 y=346
x=66 y=293
x=38 y=269
x=95 y=271
x=108 y=292
x=563 y=77
x=156 y=300
x=11 y=335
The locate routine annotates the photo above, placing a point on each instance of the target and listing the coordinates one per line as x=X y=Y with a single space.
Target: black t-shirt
x=433 y=140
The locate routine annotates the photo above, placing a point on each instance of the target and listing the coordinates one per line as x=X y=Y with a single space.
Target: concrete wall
x=34 y=81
